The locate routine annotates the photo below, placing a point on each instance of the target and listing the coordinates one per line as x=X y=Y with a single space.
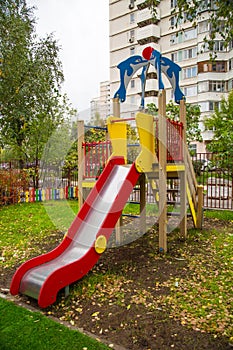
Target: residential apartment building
x=100 y=106
x=132 y=28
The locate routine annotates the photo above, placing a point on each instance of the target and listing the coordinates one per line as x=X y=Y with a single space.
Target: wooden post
x=116 y=107
x=200 y=200
x=183 y=176
x=183 y=205
x=162 y=140
x=80 y=161
x=116 y=113
x=142 y=182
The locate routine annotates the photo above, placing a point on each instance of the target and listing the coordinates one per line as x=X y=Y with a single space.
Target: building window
x=209 y=106
x=173 y=21
x=190 y=53
x=132 y=17
x=173 y=3
x=207 y=5
x=190 y=34
x=230 y=84
x=219 y=45
x=173 y=39
x=190 y=90
x=176 y=38
x=174 y=56
x=212 y=86
x=230 y=64
x=203 y=27
x=213 y=105
x=131 y=4
x=217 y=86
x=189 y=72
x=132 y=83
x=204 y=106
x=203 y=47
x=131 y=36
x=132 y=50
x=203 y=86
x=231 y=45
x=217 y=66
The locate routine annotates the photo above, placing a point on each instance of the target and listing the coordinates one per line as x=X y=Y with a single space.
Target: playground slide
x=42 y=277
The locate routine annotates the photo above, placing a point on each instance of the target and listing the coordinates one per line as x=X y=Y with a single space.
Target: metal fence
x=215 y=172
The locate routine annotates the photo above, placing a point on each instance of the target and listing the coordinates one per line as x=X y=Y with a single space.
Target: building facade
x=132 y=28
x=100 y=106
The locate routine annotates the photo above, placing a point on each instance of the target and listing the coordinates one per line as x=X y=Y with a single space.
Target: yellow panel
x=146 y=130
x=118 y=136
x=175 y=167
x=88 y=184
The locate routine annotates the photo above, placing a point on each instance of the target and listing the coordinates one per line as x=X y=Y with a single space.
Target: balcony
x=141 y=4
x=145 y=17
x=148 y=34
x=151 y=88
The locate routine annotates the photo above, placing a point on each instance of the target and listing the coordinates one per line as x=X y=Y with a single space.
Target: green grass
x=134 y=209
x=23 y=224
x=226 y=215
x=22 y=329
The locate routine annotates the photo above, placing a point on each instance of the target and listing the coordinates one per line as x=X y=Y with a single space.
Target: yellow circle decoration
x=100 y=244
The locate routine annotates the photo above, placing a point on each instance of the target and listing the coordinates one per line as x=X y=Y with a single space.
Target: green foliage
x=95 y=135
x=220 y=17
x=97 y=120
x=152 y=109
x=221 y=122
x=32 y=105
x=192 y=118
x=70 y=166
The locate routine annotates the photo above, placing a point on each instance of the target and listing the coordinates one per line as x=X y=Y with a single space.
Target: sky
x=81 y=29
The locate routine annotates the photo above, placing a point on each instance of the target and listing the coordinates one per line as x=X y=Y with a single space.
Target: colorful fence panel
x=42 y=195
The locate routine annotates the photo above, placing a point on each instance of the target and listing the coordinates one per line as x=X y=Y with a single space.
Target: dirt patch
x=125 y=311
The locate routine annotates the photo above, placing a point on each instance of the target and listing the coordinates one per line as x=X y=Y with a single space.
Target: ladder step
x=177 y=214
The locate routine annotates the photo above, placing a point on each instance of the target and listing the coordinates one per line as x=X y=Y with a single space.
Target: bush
x=12 y=182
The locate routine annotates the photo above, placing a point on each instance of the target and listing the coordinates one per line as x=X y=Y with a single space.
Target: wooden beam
x=200 y=200
x=81 y=161
x=142 y=181
x=183 y=176
x=183 y=205
x=162 y=140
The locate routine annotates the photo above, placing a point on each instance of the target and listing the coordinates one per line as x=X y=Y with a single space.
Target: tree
x=221 y=122
x=97 y=120
x=193 y=132
x=220 y=16
x=31 y=102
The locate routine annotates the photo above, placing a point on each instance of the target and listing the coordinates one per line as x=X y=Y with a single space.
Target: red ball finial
x=146 y=53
